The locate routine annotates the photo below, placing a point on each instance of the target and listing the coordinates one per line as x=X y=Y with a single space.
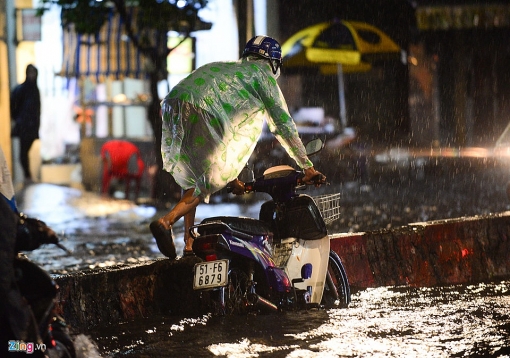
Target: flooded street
x=105 y=232
x=454 y=321
x=411 y=102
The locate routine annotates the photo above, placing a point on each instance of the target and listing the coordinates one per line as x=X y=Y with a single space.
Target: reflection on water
x=464 y=320
x=447 y=321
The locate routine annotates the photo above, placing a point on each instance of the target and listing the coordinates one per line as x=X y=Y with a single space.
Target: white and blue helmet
x=266 y=47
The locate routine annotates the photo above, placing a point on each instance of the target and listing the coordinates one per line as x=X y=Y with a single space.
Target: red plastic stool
x=122 y=160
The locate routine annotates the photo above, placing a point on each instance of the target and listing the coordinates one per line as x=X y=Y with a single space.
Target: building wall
x=5 y=123
x=423 y=97
x=471 y=56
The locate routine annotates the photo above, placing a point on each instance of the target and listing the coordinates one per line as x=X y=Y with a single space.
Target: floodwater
x=453 y=321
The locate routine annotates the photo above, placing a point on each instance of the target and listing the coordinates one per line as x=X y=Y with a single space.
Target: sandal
x=164 y=239
x=188 y=253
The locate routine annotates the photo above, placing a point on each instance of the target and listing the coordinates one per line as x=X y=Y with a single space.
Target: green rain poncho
x=213 y=119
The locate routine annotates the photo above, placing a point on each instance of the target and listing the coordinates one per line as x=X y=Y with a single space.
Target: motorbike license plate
x=210 y=274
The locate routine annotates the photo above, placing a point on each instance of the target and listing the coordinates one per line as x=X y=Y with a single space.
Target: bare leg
x=189 y=221
x=185 y=207
x=25 y=144
x=187 y=203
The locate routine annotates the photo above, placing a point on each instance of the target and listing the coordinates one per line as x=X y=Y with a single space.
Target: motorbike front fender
x=316 y=253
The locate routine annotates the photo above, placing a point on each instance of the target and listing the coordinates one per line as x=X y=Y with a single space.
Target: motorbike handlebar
x=316 y=180
x=248 y=187
x=52 y=238
x=259 y=184
x=32 y=233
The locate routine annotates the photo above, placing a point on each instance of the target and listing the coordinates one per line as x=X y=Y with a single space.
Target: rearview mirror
x=314 y=146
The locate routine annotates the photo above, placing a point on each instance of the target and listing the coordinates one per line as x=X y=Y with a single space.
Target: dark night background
x=386 y=85
x=471 y=76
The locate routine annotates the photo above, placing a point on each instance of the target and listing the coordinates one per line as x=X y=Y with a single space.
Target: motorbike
x=282 y=260
x=47 y=334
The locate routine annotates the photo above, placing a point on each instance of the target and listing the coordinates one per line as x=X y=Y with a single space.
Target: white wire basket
x=281 y=253
x=329 y=206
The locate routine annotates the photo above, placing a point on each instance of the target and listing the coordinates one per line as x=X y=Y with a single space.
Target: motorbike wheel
x=337 y=293
x=236 y=302
x=64 y=346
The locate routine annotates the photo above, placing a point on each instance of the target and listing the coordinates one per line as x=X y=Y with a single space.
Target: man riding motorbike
x=211 y=122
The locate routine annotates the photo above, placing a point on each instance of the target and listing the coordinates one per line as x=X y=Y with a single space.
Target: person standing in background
x=26 y=113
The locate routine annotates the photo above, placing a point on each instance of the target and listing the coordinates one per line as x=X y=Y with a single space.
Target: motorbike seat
x=246 y=225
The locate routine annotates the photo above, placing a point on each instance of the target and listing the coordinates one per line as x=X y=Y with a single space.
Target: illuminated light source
x=205 y=246
x=119 y=98
x=211 y=257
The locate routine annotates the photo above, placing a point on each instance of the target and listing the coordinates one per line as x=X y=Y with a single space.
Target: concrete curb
x=119 y=294
x=444 y=252
x=464 y=250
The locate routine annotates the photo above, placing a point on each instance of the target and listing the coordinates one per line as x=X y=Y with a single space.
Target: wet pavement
x=100 y=231
x=105 y=232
